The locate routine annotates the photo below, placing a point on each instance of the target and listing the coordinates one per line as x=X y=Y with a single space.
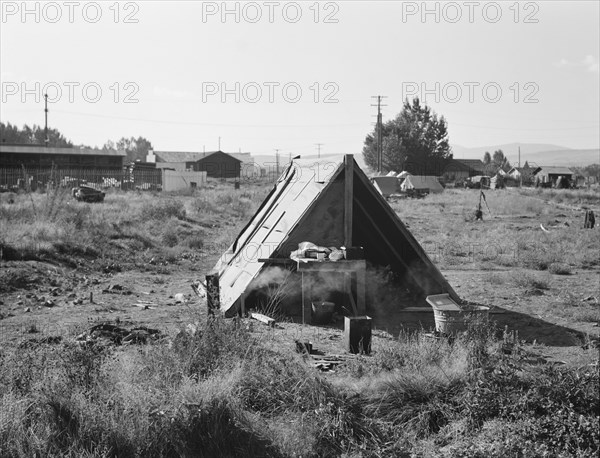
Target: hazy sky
x=288 y=75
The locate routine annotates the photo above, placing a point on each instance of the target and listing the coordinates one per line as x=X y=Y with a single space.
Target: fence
x=13 y=179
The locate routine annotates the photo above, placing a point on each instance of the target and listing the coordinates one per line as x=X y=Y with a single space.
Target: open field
x=237 y=388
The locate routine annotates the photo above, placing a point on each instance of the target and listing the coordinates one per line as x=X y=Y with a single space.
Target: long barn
x=39 y=157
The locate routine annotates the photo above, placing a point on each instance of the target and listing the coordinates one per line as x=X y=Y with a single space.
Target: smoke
x=387 y=291
x=269 y=277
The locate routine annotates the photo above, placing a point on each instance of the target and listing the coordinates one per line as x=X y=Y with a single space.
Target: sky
x=264 y=76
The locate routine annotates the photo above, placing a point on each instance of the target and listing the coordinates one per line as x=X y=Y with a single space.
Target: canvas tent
x=418 y=182
x=497 y=181
x=330 y=204
x=386 y=185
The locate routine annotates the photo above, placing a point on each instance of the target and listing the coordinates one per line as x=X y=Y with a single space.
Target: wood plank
x=263 y=319
x=348 y=198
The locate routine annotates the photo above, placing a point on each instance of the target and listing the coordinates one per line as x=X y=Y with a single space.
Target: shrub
x=528 y=281
x=169 y=238
x=163 y=210
x=559 y=269
x=194 y=242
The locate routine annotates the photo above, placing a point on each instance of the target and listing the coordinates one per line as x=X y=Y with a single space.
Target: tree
x=416 y=141
x=487 y=158
x=498 y=158
x=500 y=161
x=136 y=148
x=35 y=135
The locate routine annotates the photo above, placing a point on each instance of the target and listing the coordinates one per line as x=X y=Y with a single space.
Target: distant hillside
x=538 y=154
x=566 y=157
x=541 y=154
x=269 y=161
x=462 y=152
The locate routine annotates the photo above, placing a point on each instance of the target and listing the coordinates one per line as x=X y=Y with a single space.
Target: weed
x=530 y=281
x=559 y=269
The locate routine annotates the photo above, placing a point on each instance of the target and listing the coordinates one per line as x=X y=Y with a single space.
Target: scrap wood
x=144 y=306
x=118 y=335
x=263 y=319
x=199 y=289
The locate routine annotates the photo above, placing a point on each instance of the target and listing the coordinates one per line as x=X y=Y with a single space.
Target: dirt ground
x=39 y=299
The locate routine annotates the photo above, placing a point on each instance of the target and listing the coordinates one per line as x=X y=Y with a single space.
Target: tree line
x=135 y=148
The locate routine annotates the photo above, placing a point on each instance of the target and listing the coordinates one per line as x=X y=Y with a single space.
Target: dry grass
x=508 y=237
x=222 y=392
x=53 y=226
x=225 y=392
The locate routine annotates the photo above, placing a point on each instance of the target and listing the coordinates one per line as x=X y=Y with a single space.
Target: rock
x=49 y=303
x=180 y=298
x=27 y=309
x=20 y=303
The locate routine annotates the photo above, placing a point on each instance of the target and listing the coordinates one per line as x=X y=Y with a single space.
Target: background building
x=39 y=157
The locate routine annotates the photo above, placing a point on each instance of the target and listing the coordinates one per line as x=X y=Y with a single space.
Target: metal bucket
x=452 y=320
x=322 y=312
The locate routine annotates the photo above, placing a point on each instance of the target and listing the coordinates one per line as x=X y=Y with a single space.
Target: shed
x=546 y=174
x=217 y=165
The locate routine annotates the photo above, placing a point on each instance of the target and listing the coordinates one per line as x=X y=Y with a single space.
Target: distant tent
x=422 y=183
x=386 y=185
x=331 y=204
x=497 y=181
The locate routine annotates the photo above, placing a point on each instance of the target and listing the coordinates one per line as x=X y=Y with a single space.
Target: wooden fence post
x=213 y=294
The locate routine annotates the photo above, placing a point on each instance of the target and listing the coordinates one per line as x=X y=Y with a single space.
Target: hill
x=539 y=153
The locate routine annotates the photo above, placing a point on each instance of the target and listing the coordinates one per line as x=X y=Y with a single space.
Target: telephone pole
x=277 y=160
x=520 y=170
x=46 y=139
x=318 y=145
x=379 y=131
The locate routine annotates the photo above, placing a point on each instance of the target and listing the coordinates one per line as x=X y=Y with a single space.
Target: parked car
x=87 y=194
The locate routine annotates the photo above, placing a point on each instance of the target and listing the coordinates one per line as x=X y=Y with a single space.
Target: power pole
x=277 y=160
x=46 y=139
x=219 y=143
x=520 y=171
x=319 y=149
x=379 y=131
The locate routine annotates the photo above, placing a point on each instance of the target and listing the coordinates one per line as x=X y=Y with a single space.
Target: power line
x=192 y=123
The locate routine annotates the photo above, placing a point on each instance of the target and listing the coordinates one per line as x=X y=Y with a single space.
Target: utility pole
x=219 y=143
x=318 y=145
x=379 y=132
x=277 y=160
x=520 y=171
x=46 y=139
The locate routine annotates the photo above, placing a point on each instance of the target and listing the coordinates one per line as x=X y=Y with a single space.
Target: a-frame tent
x=329 y=203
